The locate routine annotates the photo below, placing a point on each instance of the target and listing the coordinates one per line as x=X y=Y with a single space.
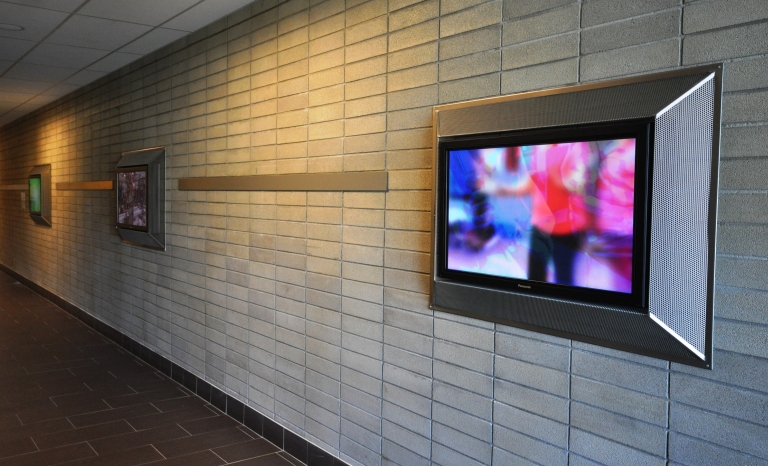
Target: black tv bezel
x=641 y=130
x=38 y=213
x=133 y=169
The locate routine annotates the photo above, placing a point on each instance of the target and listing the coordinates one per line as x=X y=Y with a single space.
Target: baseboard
x=293 y=444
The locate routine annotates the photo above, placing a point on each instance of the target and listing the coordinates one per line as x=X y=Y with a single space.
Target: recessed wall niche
x=40 y=195
x=140 y=181
x=586 y=212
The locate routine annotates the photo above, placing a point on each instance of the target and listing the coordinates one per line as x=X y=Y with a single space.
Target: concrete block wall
x=312 y=307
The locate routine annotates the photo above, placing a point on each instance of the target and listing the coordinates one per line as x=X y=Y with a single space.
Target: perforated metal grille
x=682 y=166
x=616 y=103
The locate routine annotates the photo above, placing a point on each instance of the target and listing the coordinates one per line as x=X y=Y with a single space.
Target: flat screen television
x=560 y=212
x=132 y=198
x=35 y=195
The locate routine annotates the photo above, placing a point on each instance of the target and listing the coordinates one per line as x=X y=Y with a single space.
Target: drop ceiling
x=66 y=44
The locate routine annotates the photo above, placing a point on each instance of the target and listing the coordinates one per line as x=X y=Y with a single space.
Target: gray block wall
x=312 y=307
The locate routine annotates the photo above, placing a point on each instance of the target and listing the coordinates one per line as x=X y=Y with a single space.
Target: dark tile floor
x=70 y=396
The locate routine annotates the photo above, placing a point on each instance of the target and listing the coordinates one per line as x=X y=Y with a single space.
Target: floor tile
x=217 y=438
x=132 y=440
x=246 y=450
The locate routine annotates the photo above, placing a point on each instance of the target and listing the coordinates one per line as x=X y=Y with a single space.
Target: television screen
x=132 y=198
x=35 y=194
x=554 y=214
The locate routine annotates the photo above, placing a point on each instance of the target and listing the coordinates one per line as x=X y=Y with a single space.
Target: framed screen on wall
x=559 y=212
x=587 y=212
x=132 y=198
x=35 y=195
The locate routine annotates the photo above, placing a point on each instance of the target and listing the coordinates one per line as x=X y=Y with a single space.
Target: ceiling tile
x=153 y=41
x=114 y=61
x=14 y=97
x=37 y=22
x=13 y=49
x=45 y=73
x=23 y=86
x=59 y=5
x=151 y=12
x=96 y=33
x=205 y=13
x=84 y=77
x=60 y=90
x=63 y=56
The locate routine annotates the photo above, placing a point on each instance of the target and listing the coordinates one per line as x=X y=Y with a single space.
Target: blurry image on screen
x=35 y=195
x=555 y=213
x=132 y=198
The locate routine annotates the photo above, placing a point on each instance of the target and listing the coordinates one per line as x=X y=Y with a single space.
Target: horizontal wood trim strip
x=14 y=187
x=348 y=181
x=86 y=186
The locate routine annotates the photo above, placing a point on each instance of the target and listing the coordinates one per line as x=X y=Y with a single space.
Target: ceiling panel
x=205 y=13
x=65 y=44
x=153 y=41
x=14 y=97
x=151 y=12
x=113 y=61
x=13 y=49
x=37 y=22
x=58 y=5
x=60 y=90
x=96 y=33
x=33 y=72
x=24 y=86
x=85 y=77
x=64 y=56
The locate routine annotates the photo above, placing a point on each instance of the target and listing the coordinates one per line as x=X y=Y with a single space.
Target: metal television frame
x=671 y=318
x=43 y=216
x=153 y=160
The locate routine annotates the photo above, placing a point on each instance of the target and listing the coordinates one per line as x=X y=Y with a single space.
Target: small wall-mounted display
x=132 y=197
x=141 y=198
x=586 y=212
x=39 y=185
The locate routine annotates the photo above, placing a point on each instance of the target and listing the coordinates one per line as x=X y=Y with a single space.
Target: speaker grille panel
x=682 y=166
x=636 y=100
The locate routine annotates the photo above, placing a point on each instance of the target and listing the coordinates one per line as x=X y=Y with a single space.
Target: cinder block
x=460 y=442
x=596 y=12
x=515 y=9
x=745 y=108
x=627 y=431
x=620 y=400
x=395 y=454
x=739 y=337
x=414 y=14
x=541 y=51
x=531 y=400
x=412 y=98
x=745 y=75
x=645 y=379
x=411 y=57
x=470 y=65
x=470 y=88
x=721 y=430
x=527 y=447
x=548 y=23
x=609 y=452
x=660 y=26
x=690 y=451
x=719 y=14
x=470 y=19
x=632 y=60
x=471 y=42
x=723 y=44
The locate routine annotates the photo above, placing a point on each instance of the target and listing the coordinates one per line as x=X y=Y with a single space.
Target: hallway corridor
x=68 y=395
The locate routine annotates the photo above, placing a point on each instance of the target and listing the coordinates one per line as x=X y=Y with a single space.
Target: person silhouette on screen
x=558 y=179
